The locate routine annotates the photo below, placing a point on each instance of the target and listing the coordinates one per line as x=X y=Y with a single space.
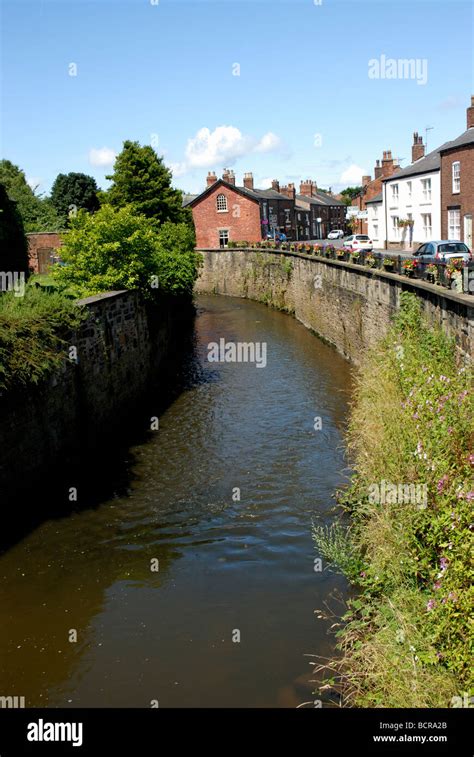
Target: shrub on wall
x=118 y=249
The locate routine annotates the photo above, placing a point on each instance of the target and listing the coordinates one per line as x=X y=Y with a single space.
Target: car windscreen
x=453 y=247
x=362 y=236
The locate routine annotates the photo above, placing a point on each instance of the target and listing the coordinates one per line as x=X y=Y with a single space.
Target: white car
x=359 y=242
x=336 y=234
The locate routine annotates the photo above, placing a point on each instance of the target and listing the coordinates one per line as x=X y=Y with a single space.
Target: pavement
x=340 y=243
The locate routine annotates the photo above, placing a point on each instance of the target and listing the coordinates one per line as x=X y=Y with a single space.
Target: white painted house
x=376 y=221
x=413 y=194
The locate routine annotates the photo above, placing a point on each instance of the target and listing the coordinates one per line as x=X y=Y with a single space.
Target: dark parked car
x=443 y=251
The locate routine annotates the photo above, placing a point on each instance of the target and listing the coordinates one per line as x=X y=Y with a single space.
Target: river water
x=180 y=592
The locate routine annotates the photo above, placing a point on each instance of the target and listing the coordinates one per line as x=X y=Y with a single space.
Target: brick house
x=42 y=248
x=326 y=212
x=226 y=212
x=371 y=188
x=457 y=184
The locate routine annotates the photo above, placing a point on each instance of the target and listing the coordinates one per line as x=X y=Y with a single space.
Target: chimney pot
x=211 y=178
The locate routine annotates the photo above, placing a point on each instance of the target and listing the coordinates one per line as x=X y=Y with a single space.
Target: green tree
x=13 y=242
x=141 y=180
x=37 y=212
x=72 y=192
x=349 y=194
x=118 y=249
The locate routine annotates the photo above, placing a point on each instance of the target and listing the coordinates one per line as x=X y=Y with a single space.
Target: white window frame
x=395 y=194
x=223 y=232
x=427 y=225
x=456 y=174
x=426 y=184
x=221 y=203
x=396 y=227
x=454 y=224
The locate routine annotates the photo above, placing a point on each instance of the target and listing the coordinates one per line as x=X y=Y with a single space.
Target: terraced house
x=226 y=212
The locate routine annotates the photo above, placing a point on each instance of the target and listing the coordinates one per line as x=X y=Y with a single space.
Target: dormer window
x=221 y=204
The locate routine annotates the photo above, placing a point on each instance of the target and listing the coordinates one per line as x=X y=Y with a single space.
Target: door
x=45 y=259
x=468 y=230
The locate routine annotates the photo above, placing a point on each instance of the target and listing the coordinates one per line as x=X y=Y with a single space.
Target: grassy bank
x=33 y=333
x=406 y=641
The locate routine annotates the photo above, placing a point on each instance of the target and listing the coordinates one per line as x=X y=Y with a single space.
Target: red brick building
x=226 y=212
x=457 y=184
x=372 y=187
x=42 y=248
x=326 y=211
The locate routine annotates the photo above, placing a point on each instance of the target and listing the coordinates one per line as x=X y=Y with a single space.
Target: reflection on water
x=225 y=564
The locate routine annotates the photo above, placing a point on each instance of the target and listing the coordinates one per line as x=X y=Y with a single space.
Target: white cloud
x=221 y=147
x=353 y=175
x=178 y=169
x=263 y=183
x=34 y=181
x=102 y=157
x=268 y=143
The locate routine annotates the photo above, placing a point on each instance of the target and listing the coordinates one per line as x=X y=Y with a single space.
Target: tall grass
x=407 y=638
x=33 y=335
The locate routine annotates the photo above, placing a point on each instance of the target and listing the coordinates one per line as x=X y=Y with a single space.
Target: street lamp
x=319 y=227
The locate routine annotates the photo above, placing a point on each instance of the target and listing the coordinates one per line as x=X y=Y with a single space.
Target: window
x=221 y=204
x=264 y=211
x=409 y=189
x=426 y=185
x=395 y=227
x=376 y=231
x=426 y=219
x=454 y=224
x=395 y=193
x=299 y=216
x=223 y=237
x=375 y=211
x=456 y=177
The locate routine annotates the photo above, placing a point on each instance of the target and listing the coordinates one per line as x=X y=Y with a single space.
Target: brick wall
x=41 y=247
x=242 y=218
x=465 y=199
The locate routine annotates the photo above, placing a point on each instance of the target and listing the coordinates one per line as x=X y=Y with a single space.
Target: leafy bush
x=33 y=333
x=118 y=249
x=407 y=637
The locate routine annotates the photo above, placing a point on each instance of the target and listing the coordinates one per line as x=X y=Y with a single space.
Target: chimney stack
x=470 y=114
x=289 y=191
x=211 y=178
x=387 y=164
x=228 y=176
x=418 y=148
x=377 y=170
x=366 y=180
x=248 y=180
x=276 y=185
x=306 y=188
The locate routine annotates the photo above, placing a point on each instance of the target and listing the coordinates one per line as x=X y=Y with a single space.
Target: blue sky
x=302 y=105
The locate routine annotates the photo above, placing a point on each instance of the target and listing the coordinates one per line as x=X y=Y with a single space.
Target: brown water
x=224 y=565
